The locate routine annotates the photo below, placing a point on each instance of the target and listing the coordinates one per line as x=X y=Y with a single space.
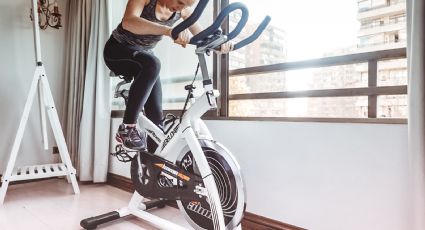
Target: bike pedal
x=122 y=155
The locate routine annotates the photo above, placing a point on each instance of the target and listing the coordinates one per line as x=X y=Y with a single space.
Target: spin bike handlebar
x=190 y=20
x=211 y=30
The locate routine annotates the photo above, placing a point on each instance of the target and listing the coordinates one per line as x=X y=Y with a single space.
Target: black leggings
x=146 y=90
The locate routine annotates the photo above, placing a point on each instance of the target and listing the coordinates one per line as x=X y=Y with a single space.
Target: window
x=320 y=62
x=397 y=18
x=392 y=72
x=364 y=5
x=377 y=3
x=392 y=106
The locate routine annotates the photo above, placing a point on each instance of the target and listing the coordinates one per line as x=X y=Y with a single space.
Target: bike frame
x=187 y=132
x=190 y=122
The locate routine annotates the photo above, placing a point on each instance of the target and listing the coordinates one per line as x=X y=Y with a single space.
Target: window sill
x=120 y=114
x=315 y=119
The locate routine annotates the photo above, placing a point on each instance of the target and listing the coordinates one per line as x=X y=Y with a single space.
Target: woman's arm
x=137 y=25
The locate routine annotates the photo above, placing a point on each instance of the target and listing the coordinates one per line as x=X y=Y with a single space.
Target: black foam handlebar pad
x=255 y=35
x=217 y=23
x=190 y=20
x=219 y=20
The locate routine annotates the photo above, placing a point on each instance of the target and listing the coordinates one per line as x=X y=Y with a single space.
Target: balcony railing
x=380 y=43
x=392 y=21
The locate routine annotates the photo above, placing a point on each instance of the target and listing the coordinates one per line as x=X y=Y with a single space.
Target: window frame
x=372 y=90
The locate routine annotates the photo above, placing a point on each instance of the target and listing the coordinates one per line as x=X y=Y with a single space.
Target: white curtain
x=416 y=120
x=77 y=40
x=96 y=116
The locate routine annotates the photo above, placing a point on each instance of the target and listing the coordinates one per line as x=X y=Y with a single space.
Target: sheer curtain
x=87 y=96
x=77 y=40
x=416 y=126
x=96 y=116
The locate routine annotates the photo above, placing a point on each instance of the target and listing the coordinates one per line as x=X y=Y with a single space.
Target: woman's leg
x=144 y=66
x=142 y=86
x=153 y=110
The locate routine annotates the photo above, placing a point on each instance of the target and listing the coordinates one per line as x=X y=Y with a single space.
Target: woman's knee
x=150 y=63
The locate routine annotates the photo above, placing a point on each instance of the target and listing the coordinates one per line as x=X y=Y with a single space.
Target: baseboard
x=250 y=221
x=253 y=221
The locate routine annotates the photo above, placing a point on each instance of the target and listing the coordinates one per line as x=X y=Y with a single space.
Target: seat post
x=118 y=91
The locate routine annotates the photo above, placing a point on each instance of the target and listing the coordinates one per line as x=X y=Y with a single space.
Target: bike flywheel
x=229 y=181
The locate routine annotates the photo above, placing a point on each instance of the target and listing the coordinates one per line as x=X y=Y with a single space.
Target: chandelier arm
x=51 y=18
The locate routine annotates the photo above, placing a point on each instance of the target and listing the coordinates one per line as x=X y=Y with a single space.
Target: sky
x=312 y=27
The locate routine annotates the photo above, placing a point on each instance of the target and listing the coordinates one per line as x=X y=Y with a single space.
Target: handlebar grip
x=190 y=20
x=219 y=20
x=255 y=35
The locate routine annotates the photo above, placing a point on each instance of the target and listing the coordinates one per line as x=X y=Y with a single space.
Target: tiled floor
x=51 y=204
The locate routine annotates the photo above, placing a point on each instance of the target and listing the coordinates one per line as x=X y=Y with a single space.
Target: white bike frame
x=188 y=132
x=183 y=134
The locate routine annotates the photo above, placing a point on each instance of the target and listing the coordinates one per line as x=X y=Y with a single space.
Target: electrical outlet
x=55 y=150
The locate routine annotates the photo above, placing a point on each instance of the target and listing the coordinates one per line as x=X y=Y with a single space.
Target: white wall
x=324 y=176
x=17 y=65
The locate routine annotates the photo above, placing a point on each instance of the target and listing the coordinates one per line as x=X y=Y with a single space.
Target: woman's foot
x=131 y=137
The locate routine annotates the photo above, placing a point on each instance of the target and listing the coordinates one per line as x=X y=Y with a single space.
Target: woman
x=128 y=52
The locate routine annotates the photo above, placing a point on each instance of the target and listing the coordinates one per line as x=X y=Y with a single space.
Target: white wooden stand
x=46 y=104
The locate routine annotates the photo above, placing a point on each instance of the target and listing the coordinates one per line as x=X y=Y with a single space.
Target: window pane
x=302 y=29
x=392 y=106
x=324 y=28
x=176 y=101
x=180 y=63
x=117 y=103
x=392 y=72
x=338 y=107
x=306 y=29
x=364 y=5
x=335 y=77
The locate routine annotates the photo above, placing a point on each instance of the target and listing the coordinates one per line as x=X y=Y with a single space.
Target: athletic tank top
x=146 y=42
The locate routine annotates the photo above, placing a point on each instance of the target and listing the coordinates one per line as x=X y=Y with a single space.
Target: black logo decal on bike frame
x=153 y=135
x=170 y=136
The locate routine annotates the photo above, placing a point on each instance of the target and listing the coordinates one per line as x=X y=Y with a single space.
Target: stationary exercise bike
x=188 y=166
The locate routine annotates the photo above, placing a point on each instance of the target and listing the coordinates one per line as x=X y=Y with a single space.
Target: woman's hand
x=225 y=48
x=183 y=38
